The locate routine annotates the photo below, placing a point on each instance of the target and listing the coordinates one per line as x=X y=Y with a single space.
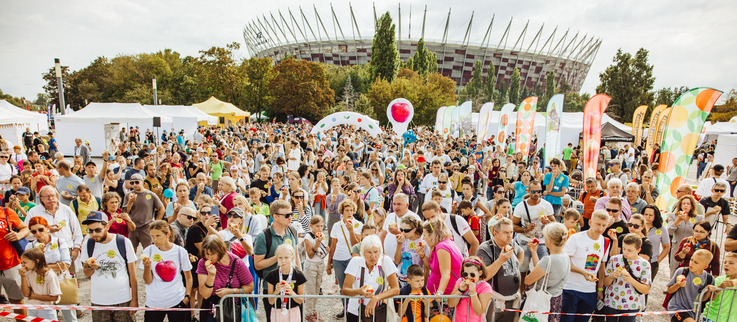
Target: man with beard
x=109 y=261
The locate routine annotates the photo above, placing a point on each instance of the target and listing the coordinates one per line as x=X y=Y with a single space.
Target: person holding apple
x=213 y=271
x=164 y=266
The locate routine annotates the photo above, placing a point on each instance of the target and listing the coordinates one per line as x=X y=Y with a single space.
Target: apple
x=40 y=245
x=421 y=244
x=507 y=248
x=192 y=258
x=91 y=261
x=167 y=270
x=400 y=112
x=208 y=263
x=399 y=236
x=612 y=231
x=370 y=290
x=535 y=241
x=681 y=278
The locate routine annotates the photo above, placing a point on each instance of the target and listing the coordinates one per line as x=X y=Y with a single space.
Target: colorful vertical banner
x=503 y=125
x=482 y=127
x=455 y=122
x=637 y=118
x=439 y=120
x=684 y=125
x=447 y=118
x=661 y=125
x=552 y=127
x=525 y=123
x=592 y=115
x=653 y=129
x=466 y=121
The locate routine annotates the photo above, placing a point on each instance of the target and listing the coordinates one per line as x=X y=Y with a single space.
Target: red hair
x=38 y=221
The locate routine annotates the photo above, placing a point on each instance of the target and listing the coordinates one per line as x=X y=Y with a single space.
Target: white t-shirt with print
x=110 y=282
x=543 y=208
x=372 y=278
x=342 y=249
x=161 y=293
x=587 y=254
x=390 y=241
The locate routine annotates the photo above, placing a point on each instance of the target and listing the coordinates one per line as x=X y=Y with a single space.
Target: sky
x=691 y=43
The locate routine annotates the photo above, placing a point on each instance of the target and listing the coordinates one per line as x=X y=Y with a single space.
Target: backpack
x=454 y=223
x=75 y=206
x=583 y=196
x=267 y=235
x=709 y=281
x=119 y=242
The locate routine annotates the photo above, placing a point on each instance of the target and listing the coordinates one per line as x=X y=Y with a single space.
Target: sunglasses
x=635 y=226
x=40 y=230
x=719 y=190
x=467 y=275
x=190 y=217
x=232 y=215
x=356 y=191
x=298 y=197
x=4 y=156
x=613 y=211
x=408 y=230
x=500 y=191
x=96 y=230
x=442 y=182
x=205 y=213
x=536 y=191
x=287 y=215
x=135 y=182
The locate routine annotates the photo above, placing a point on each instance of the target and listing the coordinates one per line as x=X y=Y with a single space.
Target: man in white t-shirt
x=431 y=179
x=630 y=157
x=704 y=189
x=588 y=251
x=440 y=156
x=391 y=223
x=112 y=276
x=462 y=234
x=92 y=179
x=448 y=193
x=6 y=171
x=529 y=218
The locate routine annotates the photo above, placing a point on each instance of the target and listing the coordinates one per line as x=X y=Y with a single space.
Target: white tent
x=182 y=119
x=13 y=123
x=721 y=128
x=99 y=123
x=202 y=116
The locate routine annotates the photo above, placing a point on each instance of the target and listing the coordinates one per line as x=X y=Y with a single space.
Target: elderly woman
x=56 y=252
x=373 y=275
x=445 y=258
x=400 y=184
x=120 y=223
x=699 y=240
x=213 y=271
x=226 y=187
x=681 y=224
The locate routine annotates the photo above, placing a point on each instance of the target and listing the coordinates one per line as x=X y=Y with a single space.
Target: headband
x=473 y=261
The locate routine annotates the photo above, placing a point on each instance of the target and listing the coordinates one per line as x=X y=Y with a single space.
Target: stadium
x=303 y=34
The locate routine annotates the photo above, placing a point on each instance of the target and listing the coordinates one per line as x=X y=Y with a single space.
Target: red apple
x=167 y=270
x=400 y=112
x=535 y=241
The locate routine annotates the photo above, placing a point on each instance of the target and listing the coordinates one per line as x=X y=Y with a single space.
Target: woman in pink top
x=472 y=283
x=445 y=258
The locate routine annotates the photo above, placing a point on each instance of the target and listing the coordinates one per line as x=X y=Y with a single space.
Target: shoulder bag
x=538 y=300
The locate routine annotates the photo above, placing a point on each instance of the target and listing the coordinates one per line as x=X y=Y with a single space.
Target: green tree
x=501 y=95
x=424 y=61
x=514 y=87
x=667 y=95
x=726 y=111
x=17 y=101
x=52 y=88
x=42 y=99
x=348 y=94
x=384 y=54
x=475 y=86
x=574 y=102
x=490 y=87
x=259 y=73
x=300 y=88
x=549 y=90
x=628 y=82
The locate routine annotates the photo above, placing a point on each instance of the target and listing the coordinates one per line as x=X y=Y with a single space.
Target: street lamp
x=155 y=99
x=59 y=85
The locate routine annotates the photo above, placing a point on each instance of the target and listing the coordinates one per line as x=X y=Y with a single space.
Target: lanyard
x=288 y=282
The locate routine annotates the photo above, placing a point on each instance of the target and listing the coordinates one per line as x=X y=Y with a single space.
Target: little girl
x=39 y=283
x=409 y=243
x=314 y=265
x=473 y=283
x=285 y=281
x=320 y=191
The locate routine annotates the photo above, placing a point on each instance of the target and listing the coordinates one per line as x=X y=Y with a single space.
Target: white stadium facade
x=306 y=34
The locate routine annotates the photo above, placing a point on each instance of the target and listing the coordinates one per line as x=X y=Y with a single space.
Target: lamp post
x=59 y=85
x=155 y=98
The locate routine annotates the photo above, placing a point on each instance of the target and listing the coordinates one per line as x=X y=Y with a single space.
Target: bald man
x=200 y=188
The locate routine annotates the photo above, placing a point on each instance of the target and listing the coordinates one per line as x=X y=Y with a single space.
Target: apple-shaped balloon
x=166 y=270
x=400 y=112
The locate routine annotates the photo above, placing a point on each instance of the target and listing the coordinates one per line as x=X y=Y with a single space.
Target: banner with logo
x=637 y=118
x=654 y=117
x=552 y=127
x=525 y=123
x=447 y=118
x=455 y=122
x=439 y=119
x=482 y=127
x=661 y=125
x=466 y=121
x=592 y=114
x=503 y=125
x=684 y=126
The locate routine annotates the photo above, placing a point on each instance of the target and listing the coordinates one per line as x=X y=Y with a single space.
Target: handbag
x=249 y=314
x=538 y=301
x=69 y=287
x=230 y=310
x=20 y=244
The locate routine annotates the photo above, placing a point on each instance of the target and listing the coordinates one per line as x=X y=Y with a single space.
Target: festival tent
x=181 y=118
x=13 y=123
x=216 y=107
x=100 y=124
x=611 y=133
x=42 y=121
x=203 y=118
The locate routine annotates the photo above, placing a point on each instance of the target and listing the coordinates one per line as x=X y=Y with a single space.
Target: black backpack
x=709 y=281
x=454 y=223
x=267 y=235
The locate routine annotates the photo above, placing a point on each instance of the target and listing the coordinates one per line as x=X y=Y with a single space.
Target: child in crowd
x=715 y=310
x=465 y=207
x=409 y=243
x=314 y=264
x=686 y=285
x=366 y=230
x=627 y=274
x=571 y=219
x=39 y=283
x=286 y=280
x=472 y=283
x=419 y=310
x=254 y=194
x=437 y=196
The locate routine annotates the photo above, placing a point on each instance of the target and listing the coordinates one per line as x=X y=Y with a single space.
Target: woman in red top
x=120 y=223
x=699 y=240
x=41 y=178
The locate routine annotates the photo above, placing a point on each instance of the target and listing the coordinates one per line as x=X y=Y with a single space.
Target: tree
x=42 y=99
x=348 y=94
x=424 y=61
x=490 y=87
x=667 y=96
x=300 y=88
x=259 y=73
x=628 y=82
x=549 y=90
x=52 y=87
x=17 y=101
x=726 y=111
x=514 y=87
x=574 y=102
x=475 y=86
x=384 y=55
x=501 y=97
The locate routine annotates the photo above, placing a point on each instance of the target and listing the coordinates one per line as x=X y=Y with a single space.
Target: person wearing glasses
x=617 y=226
x=186 y=218
x=636 y=225
x=616 y=167
x=705 y=186
x=140 y=204
x=63 y=222
x=717 y=206
x=614 y=190
x=699 y=240
x=120 y=223
x=681 y=222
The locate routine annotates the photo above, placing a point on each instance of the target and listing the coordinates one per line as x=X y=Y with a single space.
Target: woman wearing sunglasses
x=301 y=209
x=120 y=223
x=56 y=252
x=636 y=225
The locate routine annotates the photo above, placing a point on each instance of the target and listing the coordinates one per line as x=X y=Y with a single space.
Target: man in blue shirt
x=180 y=140
x=556 y=186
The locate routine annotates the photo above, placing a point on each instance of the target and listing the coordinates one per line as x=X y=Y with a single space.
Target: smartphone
x=215 y=211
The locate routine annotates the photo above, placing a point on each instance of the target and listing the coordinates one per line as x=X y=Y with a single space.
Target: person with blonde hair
x=226 y=188
x=556 y=266
x=444 y=263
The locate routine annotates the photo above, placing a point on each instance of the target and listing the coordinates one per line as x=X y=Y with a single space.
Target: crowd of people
x=274 y=209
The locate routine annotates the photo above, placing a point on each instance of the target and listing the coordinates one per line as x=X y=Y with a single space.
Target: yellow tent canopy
x=216 y=107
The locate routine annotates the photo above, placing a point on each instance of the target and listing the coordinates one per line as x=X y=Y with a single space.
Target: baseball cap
x=718 y=168
x=95 y=216
x=421 y=159
x=23 y=191
x=235 y=167
x=237 y=211
x=137 y=176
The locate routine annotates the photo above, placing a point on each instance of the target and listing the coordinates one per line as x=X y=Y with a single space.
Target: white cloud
x=690 y=42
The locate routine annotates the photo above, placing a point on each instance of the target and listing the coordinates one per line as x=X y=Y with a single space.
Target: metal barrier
x=329 y=316
x=723 y=311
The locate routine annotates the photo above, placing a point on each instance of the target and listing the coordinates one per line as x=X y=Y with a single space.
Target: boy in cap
x=20 y=203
